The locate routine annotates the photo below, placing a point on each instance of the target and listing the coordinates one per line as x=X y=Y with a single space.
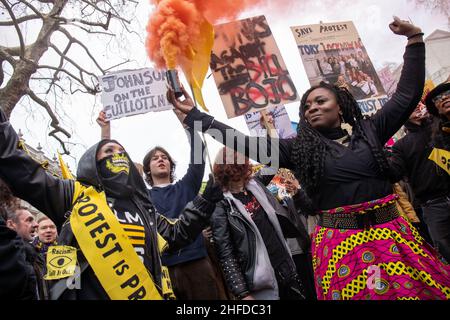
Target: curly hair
x=146 y=164
x=311 y=148
x=226 y=171
x=7 y=201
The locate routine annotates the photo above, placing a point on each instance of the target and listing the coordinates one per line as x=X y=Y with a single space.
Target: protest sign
x=388 y=80
x=277 y=116
x=248 y=68
x=129 y=92
x=429 y=85
x=278 y=184
x=334 y=53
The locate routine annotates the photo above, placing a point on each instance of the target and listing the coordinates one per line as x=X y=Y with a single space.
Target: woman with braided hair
x=362 y=248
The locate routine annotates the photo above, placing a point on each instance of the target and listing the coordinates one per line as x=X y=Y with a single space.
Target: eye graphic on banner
x=61 y=262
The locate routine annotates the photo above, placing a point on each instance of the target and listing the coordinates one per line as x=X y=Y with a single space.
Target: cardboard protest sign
x=277 y=116
x=334 y=53
x=129 y=92
x=248 y=68
x=387 y=80
x=278 y=184
x=429 y=85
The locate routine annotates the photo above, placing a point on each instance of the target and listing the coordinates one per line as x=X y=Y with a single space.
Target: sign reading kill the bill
x=334 y=53
x=129 y=92
x=248 y=68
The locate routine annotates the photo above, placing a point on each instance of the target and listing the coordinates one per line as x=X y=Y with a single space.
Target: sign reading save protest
x=334 y=53
x=129 y=92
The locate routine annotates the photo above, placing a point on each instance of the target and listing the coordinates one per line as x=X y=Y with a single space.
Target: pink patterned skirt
x=387 y=261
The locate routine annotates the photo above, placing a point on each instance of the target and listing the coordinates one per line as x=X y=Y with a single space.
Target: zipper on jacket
x=252 y=256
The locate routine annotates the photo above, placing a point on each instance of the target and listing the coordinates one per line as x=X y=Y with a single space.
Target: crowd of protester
x=350 y=208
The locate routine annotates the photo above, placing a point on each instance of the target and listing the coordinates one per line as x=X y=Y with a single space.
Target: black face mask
x=114 y=173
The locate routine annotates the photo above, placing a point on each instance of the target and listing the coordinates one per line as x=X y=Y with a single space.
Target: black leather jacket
x=53 y=196
x=235 y=243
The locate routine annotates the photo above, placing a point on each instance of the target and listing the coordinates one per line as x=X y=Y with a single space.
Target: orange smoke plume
x=175 y=25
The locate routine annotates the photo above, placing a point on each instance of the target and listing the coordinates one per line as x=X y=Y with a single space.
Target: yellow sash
x=165 y=276
x=108 y=250
x=441 y=158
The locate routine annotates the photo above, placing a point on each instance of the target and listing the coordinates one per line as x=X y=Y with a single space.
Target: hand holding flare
x=180 y=33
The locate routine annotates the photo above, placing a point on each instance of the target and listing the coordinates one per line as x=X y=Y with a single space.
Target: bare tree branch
x=79 y=80
x=89 y=23
x=14 y=51
x=90 y=16
x=16 y=26
x=91 y=31
x=49 y=79
x=20 y=20
x=75 y=40
x=119 y=64
x=111 y=8
x=63 y=144
x=5 y=55
x=54 y=120
x=29 y=5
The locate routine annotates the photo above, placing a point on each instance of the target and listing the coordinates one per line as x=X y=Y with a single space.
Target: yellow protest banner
x=108 y=249
x=61 y=262
x=441 y=158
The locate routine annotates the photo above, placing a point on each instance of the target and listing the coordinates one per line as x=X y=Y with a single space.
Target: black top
x=274 y=247
x=352 y=176
x=134 y=226
x=410 y=159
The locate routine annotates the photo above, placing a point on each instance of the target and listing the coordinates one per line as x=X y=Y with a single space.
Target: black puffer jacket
x=29 y=181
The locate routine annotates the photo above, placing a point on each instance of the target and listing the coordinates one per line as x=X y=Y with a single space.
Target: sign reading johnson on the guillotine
x=129 y=92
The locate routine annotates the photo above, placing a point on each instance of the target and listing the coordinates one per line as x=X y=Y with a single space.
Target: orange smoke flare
x=175 y=25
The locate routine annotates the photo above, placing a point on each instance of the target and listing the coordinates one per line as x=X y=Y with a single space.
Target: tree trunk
x=17 y=85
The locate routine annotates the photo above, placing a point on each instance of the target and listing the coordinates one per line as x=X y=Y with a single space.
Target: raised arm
x=192 y=180
x=410 y=87
x=265 y=150
x=105 y=125
x=28 y=180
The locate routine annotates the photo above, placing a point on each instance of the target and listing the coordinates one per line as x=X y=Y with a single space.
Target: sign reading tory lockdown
x=248 y=69
x=129 y=92
x=334 y=53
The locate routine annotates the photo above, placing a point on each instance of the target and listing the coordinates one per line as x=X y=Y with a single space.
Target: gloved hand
x=213 y=191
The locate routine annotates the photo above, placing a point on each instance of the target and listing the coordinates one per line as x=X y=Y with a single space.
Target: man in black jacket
x=22 y=221
x=430 y=183
x=17 y=276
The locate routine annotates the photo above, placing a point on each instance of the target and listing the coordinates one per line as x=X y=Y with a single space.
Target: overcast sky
x=140 y=133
